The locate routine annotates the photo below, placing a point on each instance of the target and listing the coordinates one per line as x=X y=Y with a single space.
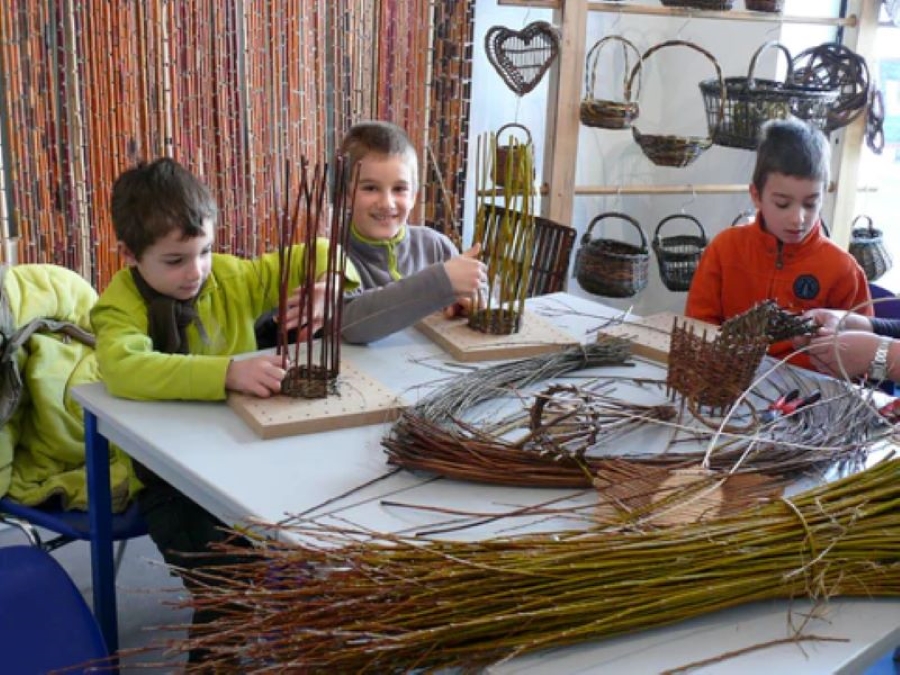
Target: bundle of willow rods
x=352 y=601
x=435 y=436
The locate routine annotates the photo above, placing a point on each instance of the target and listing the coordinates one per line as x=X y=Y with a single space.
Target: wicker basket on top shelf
x=605 y=113
x=736 y=113
x=771 y=6
x=700 y=4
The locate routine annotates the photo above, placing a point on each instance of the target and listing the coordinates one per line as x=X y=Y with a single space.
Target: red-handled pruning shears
x=788 y=404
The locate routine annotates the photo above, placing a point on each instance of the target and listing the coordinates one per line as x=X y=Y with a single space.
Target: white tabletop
x=210 y=454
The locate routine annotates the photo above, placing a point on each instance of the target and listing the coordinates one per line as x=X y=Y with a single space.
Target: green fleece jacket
x=236 y=292
x=42 y=442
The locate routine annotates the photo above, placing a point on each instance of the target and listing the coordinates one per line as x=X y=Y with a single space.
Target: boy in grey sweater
x=407 y=272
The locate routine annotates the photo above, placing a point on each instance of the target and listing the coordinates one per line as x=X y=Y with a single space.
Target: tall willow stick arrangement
x=352 y=601
x=507 y=240
x=315 y=361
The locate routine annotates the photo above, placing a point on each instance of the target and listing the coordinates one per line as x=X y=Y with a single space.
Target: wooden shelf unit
x=565 y=94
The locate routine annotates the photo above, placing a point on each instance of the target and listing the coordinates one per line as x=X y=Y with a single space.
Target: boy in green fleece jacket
x=168 y=325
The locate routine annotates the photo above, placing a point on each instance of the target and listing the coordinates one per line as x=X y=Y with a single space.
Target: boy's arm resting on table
x=131 y=369
x=375 y=313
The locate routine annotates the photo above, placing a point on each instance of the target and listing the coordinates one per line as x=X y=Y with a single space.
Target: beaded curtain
x=235 y=91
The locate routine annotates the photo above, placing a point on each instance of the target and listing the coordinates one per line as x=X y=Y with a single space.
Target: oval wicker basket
x=678 y=255
x=610 y=267
x=671 y=150
x=736 y=113
x=604 y=113
x=867 y=246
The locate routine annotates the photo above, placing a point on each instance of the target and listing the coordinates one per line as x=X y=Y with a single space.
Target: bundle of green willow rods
x=354 y=601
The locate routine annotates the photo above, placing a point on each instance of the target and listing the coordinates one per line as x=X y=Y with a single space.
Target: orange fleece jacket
x=745 y=265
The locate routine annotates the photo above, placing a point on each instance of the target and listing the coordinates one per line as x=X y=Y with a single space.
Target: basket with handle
x=771 y=6
x=679 y=254
x=507 y=158
x=867 y=246
x=737 y=108
x=610 y=267
x=605 y=113
x=717 y=5
x=670 y=150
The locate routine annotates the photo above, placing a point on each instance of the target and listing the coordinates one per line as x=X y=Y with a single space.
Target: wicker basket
x=867 y=246
x=736 y=115
x=745 y=217
x=678 y=255
x=507 y=156
x=603 y=113
x=772 y=6
x=700 y=4
x=669 y=150
x=609 y=267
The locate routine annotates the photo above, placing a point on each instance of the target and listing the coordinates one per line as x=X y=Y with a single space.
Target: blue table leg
x=100 y=514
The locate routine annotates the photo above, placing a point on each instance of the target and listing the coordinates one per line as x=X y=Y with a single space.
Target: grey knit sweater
x=403 y=281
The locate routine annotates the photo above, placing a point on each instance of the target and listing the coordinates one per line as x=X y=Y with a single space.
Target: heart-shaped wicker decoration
x=522 y=56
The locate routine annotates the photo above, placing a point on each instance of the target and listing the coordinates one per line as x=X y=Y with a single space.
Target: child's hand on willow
x=467 y=273
x=259 y=376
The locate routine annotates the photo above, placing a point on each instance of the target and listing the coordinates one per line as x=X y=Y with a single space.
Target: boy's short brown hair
x=791 y=147
x=378 y=138
x=150 y=200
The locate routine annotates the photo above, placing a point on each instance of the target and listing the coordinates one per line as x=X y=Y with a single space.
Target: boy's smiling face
x=789 y=205
x=176 y=266
x=385 y=195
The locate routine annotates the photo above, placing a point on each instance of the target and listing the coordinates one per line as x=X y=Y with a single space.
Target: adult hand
x=830 y=320
x=259 y=376
x=847 y=354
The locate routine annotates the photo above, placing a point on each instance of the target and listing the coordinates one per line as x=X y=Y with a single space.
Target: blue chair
x=45 y=624
x=885 y=309
x=75 y=526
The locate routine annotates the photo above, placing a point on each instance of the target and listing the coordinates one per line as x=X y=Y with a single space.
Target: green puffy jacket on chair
x=47 y=349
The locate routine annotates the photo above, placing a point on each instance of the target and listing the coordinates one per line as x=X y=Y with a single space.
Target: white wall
x=670 y=103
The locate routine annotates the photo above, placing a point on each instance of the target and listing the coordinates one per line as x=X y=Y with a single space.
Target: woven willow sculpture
x=313 y=365
x=507 y=239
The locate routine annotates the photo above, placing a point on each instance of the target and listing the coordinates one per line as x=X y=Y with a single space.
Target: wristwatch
x=878 y=369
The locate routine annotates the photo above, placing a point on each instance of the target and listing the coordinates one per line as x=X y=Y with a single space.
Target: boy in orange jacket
x=784 y=254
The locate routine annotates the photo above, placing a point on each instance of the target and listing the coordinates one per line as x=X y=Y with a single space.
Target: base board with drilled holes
x=536 y=336
x=359 y=400
x=649 y=336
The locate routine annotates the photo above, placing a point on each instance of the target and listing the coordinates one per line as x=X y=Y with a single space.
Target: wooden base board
x=359 y=400
x=650 y=335
x=536 y=336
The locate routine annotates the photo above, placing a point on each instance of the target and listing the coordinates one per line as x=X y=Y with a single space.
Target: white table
x=207 y=452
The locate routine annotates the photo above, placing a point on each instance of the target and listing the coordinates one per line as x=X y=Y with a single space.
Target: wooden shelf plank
x=727 y=15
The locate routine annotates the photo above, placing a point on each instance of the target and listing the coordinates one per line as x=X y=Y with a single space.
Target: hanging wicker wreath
x=834 y=66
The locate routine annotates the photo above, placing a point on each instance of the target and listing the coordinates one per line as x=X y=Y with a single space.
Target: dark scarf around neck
x=168 y=318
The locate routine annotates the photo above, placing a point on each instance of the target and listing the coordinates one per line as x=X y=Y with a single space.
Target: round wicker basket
x=678 y=255
x=867 y=246
x=610 y=267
